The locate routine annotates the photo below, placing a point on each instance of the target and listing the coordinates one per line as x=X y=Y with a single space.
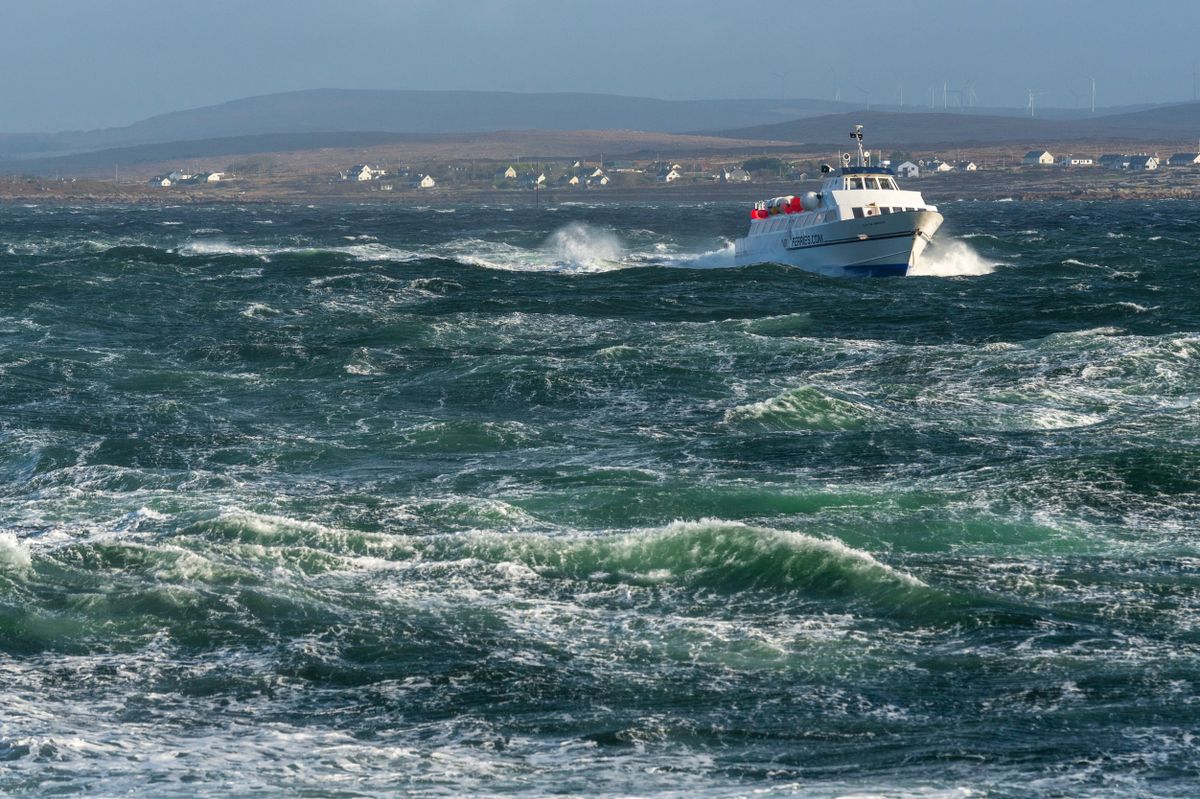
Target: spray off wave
x=951 y=258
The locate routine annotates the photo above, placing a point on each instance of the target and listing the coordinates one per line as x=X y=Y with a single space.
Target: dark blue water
x=364 y=501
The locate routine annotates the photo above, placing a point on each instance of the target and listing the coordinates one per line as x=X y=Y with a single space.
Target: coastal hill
x=941 y=129
x=325 y=131
x=419 y=112
x=347 y=111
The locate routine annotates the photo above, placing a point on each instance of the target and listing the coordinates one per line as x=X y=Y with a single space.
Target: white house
x=908 y=170
x=179 y=175
x=510 y=173
x=161 y=181
x=1143 y=162
x=669 y=175
x=599 y=173
x=214 y=177
x=940 y=166
x=1185 y=159
x=574 y=181
x=598 y=181
x=967 y=166
x=735 y=175
x=1036 y=157
x=540 y=179
x=364 y=172
x=426 y=182
x=1077 y=160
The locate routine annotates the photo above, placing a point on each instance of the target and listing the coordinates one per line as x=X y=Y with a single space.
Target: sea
x=515 y=501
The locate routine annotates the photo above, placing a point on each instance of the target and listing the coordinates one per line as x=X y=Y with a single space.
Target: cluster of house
x=1138 y=162
x=578 y=176
x=582 y=177
x=910 y=169
x=179 y=176
x=669 y=173
x=365 y=173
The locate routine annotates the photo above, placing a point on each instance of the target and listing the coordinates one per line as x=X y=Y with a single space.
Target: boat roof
x=867 y=170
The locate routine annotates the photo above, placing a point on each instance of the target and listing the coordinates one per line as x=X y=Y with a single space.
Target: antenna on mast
x=857 y=136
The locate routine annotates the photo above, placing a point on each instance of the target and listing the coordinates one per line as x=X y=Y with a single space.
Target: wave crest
x=806 y=408
x=710 y=553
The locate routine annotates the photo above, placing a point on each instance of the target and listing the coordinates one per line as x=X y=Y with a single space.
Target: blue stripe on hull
x=878 y=270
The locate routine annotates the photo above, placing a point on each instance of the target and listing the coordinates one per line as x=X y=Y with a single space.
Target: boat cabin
x=856 y=191
x=862 y=191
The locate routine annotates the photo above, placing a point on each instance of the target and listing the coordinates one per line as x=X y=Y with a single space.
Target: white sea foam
x=713 y=259
x=361 y=252
x=14 y=553
x=949 y=258
x=258 y=309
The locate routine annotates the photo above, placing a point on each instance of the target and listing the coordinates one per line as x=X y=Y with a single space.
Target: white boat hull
x=888 y=244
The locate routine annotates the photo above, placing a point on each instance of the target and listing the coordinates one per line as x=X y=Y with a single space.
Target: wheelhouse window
x=856 y=183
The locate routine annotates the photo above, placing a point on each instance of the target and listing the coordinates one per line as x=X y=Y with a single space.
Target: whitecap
x=14 y=553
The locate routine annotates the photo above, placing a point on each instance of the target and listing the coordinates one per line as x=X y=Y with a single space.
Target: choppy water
x=367 y=501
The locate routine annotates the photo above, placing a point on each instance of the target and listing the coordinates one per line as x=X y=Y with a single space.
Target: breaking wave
x=806 y=408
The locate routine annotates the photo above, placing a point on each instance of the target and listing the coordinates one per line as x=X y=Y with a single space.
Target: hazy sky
x=75 y=64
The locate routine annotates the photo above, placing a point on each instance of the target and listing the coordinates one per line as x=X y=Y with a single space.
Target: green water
x=364 y=501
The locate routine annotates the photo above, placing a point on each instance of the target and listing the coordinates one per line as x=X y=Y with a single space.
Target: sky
x=83 y=64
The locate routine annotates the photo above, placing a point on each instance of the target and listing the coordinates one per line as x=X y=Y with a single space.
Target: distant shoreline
x=1029 y=184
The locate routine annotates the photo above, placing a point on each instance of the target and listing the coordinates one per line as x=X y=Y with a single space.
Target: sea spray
x=579 y=247
x=14 y=553
x=951 y=258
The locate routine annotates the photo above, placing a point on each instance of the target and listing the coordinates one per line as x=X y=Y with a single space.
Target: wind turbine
x=1032 y=98
x=967 y=96
x=866 y=95
x=833 y=78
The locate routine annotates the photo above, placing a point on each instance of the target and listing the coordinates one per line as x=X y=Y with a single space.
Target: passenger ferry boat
x=860 y=223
